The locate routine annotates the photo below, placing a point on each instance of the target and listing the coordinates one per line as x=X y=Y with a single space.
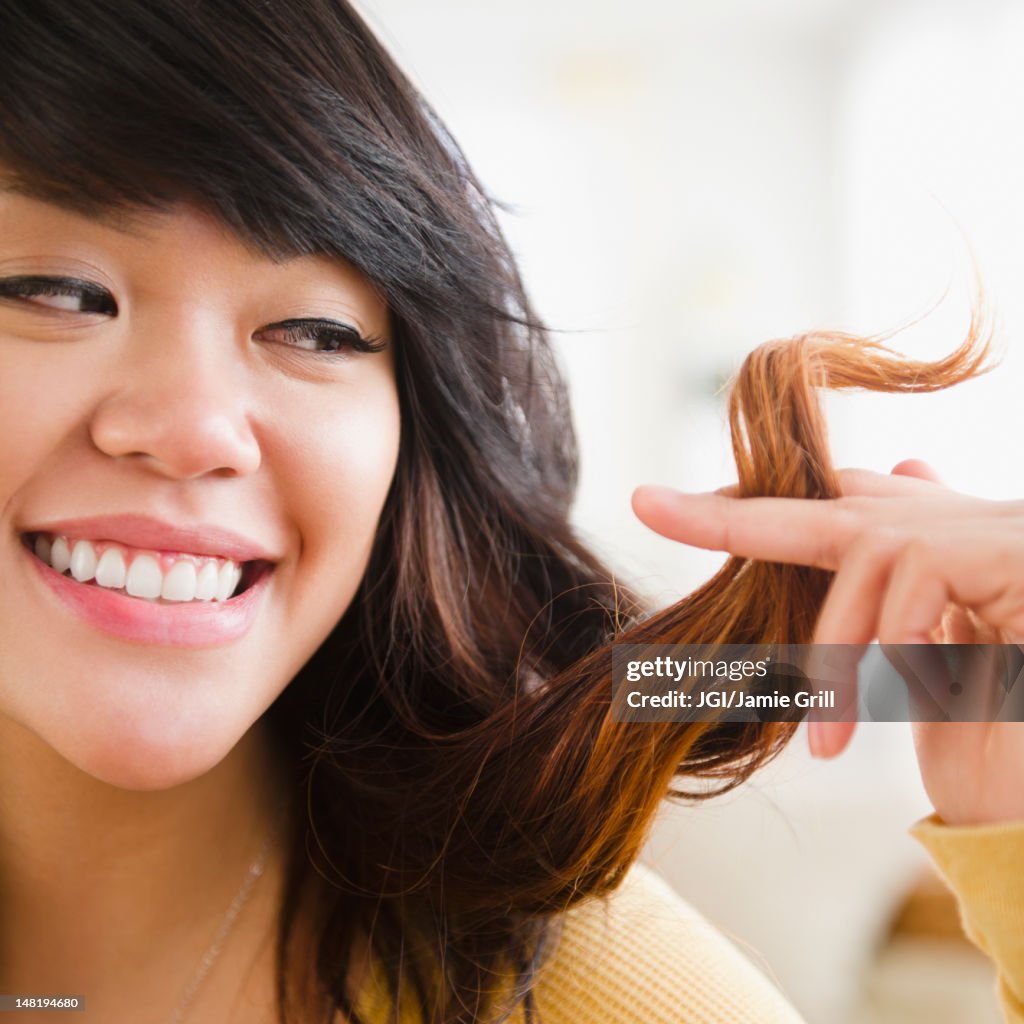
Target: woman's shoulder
x=643 y=954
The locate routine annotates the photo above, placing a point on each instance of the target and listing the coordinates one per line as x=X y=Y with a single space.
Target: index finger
x=869 y=483
x=793 y=530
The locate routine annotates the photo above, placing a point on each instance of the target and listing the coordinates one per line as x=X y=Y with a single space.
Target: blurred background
x=686 y=180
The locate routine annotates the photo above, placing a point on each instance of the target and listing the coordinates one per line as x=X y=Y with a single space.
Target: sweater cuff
x=984 y=865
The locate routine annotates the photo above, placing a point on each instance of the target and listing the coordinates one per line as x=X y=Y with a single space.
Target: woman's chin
x=146 y=769
x=139 y=729
x=145 y=755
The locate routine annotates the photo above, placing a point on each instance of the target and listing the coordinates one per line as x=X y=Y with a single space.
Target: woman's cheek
x=34 y=420
x=342 y=471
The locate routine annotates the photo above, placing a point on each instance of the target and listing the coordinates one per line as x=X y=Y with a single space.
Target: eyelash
x=345 y=336
x=342 y=336
x=26 y=287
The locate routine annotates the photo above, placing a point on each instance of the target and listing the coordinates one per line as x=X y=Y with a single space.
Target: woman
x=304 y=711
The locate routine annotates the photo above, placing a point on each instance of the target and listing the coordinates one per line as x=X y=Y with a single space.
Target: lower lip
x=189 y=624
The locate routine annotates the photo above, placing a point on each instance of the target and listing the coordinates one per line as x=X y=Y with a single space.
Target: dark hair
x=459 y=780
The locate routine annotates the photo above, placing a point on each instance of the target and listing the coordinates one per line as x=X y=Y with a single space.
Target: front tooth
x=144 y=577
x=180 y=583
x=60 y=555
x=227 y=580
x=207 y=582
x=42 y=549
x=110 y=572
x=83 y=561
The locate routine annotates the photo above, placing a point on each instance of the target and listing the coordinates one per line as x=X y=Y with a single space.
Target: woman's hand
x=915 y=563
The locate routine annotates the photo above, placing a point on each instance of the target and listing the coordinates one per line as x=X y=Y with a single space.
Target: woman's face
x=175 y=407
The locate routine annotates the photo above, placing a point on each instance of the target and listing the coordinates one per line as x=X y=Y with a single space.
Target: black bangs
x=288 y=120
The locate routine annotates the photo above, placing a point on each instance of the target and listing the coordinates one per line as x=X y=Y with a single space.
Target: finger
x=933 y=693
x=865 y=482
x=850 y=613
x=798 y=530
x=833 y=667
x=926 y=577
x=916 y=468
x=897 y=583
x=772 y=529
x=847 y=623
x=907 y=479
x=910 y=478
x=972 y=564
x=900 y=590
x=829 y=739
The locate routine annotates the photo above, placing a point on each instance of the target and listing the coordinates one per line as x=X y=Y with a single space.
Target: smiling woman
x=182 y=373
x=275 y=403
x=304 y=688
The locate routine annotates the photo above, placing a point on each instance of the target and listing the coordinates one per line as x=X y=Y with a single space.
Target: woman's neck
x=111 y=894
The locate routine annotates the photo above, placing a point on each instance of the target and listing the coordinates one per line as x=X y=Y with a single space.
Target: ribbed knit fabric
x=645 y=956
x=984 y=866
x=641 y=956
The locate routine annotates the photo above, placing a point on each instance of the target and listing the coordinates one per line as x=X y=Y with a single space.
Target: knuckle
x=876 y=542
x=1012 y=510
x=890 y=633
x=920 y=550
x=849 y=527
x=853 y=478
x=853 y=505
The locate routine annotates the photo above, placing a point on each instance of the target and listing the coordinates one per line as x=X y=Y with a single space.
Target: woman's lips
x=147 y=532
x=191 y=624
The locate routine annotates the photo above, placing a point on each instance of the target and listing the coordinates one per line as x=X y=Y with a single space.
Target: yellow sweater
x=645 y=956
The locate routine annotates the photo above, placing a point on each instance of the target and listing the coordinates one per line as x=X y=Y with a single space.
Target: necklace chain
x=252 y=876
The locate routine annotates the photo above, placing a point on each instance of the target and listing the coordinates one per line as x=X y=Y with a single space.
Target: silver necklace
x=252 y=876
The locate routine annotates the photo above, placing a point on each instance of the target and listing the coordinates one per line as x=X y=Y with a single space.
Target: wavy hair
x=458 y=782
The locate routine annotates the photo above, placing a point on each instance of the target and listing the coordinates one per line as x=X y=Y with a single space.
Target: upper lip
x=146 y=532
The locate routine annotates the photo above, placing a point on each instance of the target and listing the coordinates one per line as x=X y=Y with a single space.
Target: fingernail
x=662 y=493
x=814 y=739
x=659 y=493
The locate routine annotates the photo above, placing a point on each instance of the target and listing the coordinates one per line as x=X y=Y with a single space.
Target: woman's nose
x=177 y=403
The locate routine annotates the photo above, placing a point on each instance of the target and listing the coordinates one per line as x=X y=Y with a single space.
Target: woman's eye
x=60 y=293
x=328 y=337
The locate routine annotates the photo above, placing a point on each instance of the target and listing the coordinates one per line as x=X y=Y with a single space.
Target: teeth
x=111 y=571
x=42 y=549
x=83 y=561
x=227 y=580
x=144 y=577
x=185 y=579
x=60 y=555
x=206 y=582
x=180 y=583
